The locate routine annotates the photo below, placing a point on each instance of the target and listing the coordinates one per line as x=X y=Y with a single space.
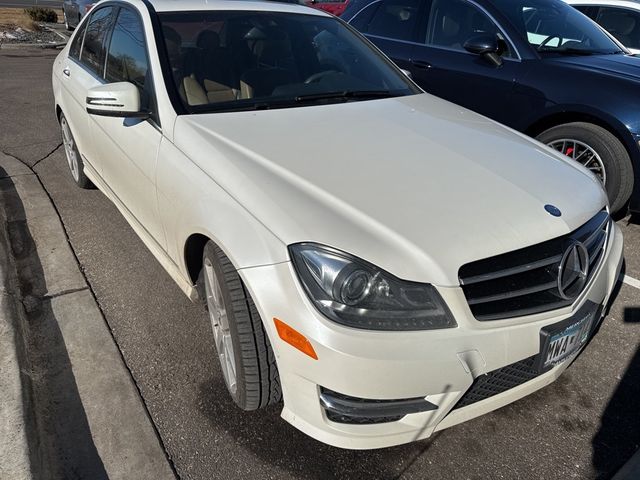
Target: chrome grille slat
x=597 y=232
x=515 y=293
x=510 y=271
x=525 y=282
x=597 y=249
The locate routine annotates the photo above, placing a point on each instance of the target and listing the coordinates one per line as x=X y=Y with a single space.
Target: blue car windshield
x=553 y=27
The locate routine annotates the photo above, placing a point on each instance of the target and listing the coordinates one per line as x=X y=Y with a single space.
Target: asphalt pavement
x=585 y=425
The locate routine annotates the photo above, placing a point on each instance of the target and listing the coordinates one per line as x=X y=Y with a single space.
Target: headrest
x=208 y=40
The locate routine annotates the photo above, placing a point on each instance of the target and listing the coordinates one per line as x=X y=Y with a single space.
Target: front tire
x=598 y=150
x=243 y=348
x=74 y=159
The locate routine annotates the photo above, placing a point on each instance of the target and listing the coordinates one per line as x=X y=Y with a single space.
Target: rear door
x=128 y=148
x=441 y=65
x=83 y=70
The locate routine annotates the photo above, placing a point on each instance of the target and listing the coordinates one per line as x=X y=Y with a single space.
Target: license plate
x=562 y=340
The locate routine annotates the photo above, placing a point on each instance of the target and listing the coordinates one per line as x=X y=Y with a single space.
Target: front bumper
x=438 y=366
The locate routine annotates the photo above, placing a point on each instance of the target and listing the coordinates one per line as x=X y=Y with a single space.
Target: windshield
x=226 y=60
x=554 y=28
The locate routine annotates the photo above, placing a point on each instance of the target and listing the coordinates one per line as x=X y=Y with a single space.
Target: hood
x=623 y=66
x=415 y=185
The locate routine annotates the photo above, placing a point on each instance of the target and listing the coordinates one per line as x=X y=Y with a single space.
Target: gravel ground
x=14 y=34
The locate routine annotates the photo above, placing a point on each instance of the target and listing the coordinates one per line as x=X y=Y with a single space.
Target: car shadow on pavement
x=619 y=435
x=276 y=442
x=59 y=436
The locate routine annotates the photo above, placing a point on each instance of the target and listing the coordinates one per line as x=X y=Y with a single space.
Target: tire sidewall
x=82 y=181
x=210 y=253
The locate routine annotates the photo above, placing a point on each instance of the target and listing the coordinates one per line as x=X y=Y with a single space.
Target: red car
x=334 y=7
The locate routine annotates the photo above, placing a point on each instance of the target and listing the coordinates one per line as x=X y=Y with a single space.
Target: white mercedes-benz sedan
x=383 y=262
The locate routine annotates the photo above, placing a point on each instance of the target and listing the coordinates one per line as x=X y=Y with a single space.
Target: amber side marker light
x=294 y=338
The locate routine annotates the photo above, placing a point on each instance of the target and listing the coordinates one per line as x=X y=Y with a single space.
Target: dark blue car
x=538 y=66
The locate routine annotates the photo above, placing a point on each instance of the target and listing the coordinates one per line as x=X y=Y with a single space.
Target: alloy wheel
x=69 y=149
x=582 y=153
x=220 y=325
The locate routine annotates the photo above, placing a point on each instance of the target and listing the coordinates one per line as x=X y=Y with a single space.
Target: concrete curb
x=89 y=420
x=15 y=400
x=18 y=46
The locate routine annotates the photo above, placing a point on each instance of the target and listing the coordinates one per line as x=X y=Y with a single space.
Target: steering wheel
x=316 y=77
x=547 y=40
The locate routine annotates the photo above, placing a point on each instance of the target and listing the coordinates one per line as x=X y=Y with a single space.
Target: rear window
x=76 y=43
x=621 y=23
x=93 y=54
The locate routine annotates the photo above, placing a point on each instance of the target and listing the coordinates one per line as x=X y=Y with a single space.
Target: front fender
x=190 y=202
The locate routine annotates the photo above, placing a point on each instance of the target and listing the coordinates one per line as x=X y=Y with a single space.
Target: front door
x=128 y=148
x=442 y=66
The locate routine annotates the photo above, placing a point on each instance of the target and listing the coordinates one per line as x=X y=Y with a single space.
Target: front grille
x=525 y=281
x=499 y=381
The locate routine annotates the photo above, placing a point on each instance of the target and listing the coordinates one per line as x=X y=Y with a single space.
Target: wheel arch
x=193 y=250
x=563 y=115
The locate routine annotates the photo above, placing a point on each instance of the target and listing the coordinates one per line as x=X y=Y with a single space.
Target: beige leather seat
x=193 y=91
x=214 y=68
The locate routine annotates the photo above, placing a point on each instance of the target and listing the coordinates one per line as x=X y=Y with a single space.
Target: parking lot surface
x=585 y=425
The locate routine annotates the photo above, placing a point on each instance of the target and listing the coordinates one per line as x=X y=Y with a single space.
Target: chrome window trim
x=363 y=9
x=506 y=59
x=491 y=17
x=496 y=23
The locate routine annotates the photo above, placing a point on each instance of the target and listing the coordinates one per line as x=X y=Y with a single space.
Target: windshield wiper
x=346 y=94
x=268 y=104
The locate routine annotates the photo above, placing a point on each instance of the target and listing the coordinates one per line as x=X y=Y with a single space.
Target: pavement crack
x=46 y=156
x=64 y=292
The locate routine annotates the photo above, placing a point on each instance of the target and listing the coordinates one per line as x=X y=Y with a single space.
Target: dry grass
x=15 y=17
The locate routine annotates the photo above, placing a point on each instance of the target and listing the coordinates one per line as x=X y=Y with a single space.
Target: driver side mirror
x=487 y=46
x=120 y=99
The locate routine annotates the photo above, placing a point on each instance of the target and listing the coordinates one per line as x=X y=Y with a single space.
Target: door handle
x=421 y=65
x=66 y=72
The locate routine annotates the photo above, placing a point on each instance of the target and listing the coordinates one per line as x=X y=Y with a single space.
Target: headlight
x=355 y=293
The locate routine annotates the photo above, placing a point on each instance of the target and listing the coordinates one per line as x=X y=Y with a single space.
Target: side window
x=621 y=23
x=363 y=18
x=453 y=22
x=587 y=10
x=76 y=44
x=395 y=19
x=93 y=48
x=127 y=58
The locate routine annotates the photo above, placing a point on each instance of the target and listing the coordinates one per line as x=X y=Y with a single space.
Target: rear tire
x=240 y=336
x=74 y=159
x=610 y=151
